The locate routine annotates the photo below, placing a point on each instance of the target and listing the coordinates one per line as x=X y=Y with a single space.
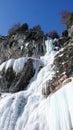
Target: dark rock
x=65 y=33
x=60 y=43
x=64 y=61
x=49 y=86
x=46 y=89
x=53 y=34
x=12 y=82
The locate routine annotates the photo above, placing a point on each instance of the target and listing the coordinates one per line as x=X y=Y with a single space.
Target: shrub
x=53 y=34
x=23 y=28
x=18 y=28
x=65 y=17
x=37 y=28
x=14 y=28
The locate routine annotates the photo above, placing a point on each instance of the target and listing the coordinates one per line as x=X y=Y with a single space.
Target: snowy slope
x=30 y=110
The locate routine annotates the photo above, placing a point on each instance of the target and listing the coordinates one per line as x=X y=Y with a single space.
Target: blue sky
x=43 y=12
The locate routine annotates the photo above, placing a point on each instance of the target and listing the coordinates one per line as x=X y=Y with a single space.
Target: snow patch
x=26 y=44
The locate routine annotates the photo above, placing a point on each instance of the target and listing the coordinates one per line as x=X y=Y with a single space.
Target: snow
x=26 y=44
x=21 y=47
x=61 y=55
x=30 y=110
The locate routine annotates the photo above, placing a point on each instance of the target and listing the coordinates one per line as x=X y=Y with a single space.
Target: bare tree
x=65 y=17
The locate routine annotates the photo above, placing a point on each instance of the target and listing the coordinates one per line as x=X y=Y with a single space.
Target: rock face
x=30 y=43
x=12 y=82
x=60 y=43
x=64 y=61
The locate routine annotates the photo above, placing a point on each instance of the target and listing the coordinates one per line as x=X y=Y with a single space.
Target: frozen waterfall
x=29 y=110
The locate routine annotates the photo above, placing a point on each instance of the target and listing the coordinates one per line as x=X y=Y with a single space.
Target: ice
x=16 y=64
x=19 y=64
x=50 y=53
x=9 y=63
x=61 y=109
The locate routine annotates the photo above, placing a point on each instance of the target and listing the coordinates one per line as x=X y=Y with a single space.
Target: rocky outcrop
x=31 y=43
x=10 y=81
x=63 y=65
x=64 y=61
x=60 y=43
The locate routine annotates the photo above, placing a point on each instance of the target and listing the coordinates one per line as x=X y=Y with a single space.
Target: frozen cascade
x=29 y=110
x=49 y=56
x=49 y=46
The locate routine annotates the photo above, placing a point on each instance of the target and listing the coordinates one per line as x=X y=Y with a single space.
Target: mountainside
x=36 y=81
